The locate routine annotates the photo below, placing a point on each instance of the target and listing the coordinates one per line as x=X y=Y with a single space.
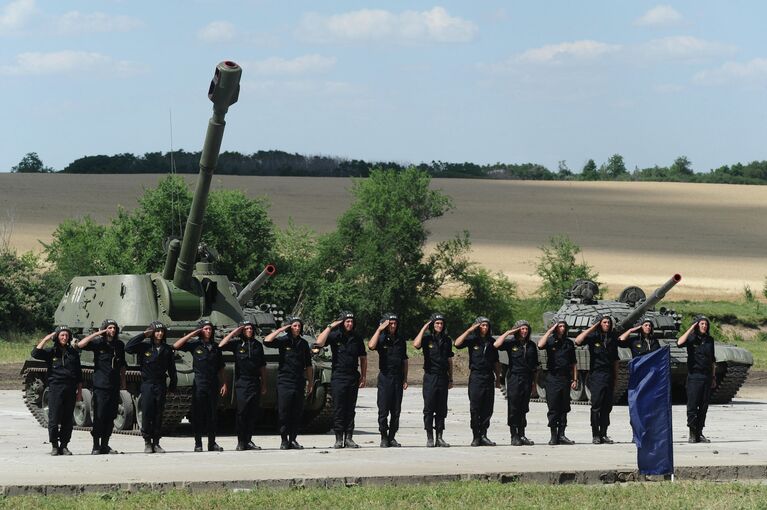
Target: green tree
x=682 y=166
x=559 y=268
x=589 y=172
x=26 y=302
x=614 y=169
x=31 y=163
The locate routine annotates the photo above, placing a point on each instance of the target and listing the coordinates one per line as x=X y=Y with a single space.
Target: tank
x=187 y=290
x=580 y=308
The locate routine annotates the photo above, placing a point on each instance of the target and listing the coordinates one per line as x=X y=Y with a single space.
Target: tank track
x=734 y=376
x=322 y=421
x=176 y=404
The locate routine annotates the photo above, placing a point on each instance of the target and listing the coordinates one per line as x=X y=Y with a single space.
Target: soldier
x=437 y=376
x=602 y=342
x=295 y=373
x=249 y=379
x=645 y=341
x=522 y=369
x=65 y=380
x=561 y=377
x=392 y=376
x=108 y=379
x=483 y=363
x=156 y=359
x=701 y=375
x=209 y=382
x=349 y=353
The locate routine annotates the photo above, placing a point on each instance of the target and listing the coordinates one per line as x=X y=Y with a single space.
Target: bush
x=559 y=269
x=28 y=293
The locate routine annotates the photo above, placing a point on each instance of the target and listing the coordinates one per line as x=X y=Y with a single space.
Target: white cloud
x=218 y=32
x=75 y=22
x=751 y=73
x=304 y=64
x=684 y=47
x=434 y=25
x=660 y=15
x=576 y=50
x=63 y=62
x=14 y=15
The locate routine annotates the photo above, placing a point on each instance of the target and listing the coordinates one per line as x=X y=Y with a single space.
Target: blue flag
x=650 y=411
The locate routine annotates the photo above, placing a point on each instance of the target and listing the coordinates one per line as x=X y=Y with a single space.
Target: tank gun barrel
x=223 y=92
x=650 y=302
x=250 y=289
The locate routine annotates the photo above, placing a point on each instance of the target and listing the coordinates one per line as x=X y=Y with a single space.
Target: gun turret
x=651 y=301
x=250 y=289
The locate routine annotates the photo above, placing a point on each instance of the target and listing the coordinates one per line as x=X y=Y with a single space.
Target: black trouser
x=435 y=389
x=204 y=416
x=389 y=403
x=290 y=408
x=61 y=406
x=481 y=400
x=152 y=408
x=105 y=403
x=344 y=388
x=698 y=396
x=518 y=390
x=558 y=397
x=248 y=392
x=602 y=385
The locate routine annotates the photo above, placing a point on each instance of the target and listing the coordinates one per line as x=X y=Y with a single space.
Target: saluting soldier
x=157 y=360
x=522 y=369
x=249 y=379
x=295 y=379
x=602 y=342
x=209 y=382
x=485 y=369
x=348 y=350
x=701 y=375
x=392 y=376
x=437 y=376
x=645 y=341
x=108 y=379
x=65 y=378
x=561 y=377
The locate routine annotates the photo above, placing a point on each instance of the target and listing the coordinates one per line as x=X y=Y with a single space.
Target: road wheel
x=83 y=413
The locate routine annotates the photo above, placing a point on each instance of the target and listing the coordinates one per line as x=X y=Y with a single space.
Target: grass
x=16 y=350
x=473 y=494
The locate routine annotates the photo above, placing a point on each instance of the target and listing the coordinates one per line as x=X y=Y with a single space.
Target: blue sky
x=406 y=81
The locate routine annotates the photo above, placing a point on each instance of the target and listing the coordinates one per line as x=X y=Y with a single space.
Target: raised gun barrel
x=651 y=301
x=250 y=289
x=223 y=92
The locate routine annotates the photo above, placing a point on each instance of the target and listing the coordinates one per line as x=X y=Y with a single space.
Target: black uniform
x=295 y=358
x=248 y=362
x=483 y=358
x=642 y=345
x=603 y=353
x=64 y=375
x=523 y=363
x=437 y=351
x=207 y=361
x=108 y=363
x=155 y=360
x=345 y=381
x=560 y=358
x=700 y=361
x=392 y=353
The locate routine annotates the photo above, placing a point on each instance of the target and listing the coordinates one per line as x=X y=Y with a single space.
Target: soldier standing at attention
x=392 y=376
x=209 y=382
x=156 y=359
x=645 y=341
x=349 y=353
x=65 y=384
x=561 y=377
x=522 y=369
x=603 y=372
x=701 y=375
x=249 y=379
x=294 y=373
x=108 y=379
x=437 y=376
x=485 y=369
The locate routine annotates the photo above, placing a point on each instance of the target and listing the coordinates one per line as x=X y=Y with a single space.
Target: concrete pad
x=737 y=450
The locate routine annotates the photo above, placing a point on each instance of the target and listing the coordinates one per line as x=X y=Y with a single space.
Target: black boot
x=197 y=444
x=554 y=436
x=349 y=441
x=563 y=439
x=148 y=448
x=483 y=439
x=240 y=447
x=250 y=445
x=156 y=446
x=96 y=447
x=393 y=442
x=429 y=438
x=596 y=437
x=105 y=448
x=476 y=440
x=294 y=444
x=523 y=439
x=213 y=447
x=701 y=437
x=285 y=444
x=339 y=440
x=384 y=440
x=440 y=441
x=692 y=437
x=63 y=450
x=515 y=441
x=605 y=438
x=54 y=449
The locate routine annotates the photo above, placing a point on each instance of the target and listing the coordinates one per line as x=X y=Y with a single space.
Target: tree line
x=280 y=163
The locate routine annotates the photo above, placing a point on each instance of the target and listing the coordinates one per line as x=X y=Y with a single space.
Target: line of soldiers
x=349 y=368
